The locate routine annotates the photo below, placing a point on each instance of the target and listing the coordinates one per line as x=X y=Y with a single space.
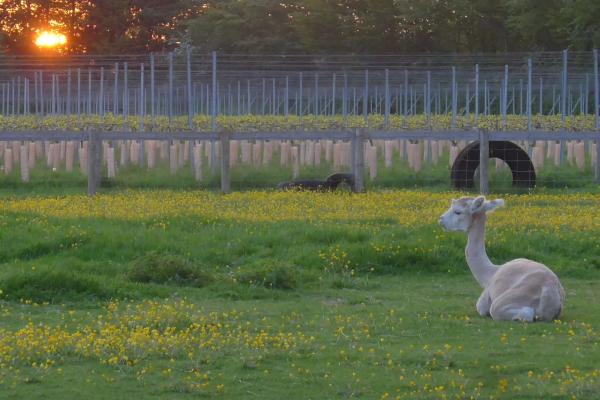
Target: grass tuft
x=168 y=269
x=54 y=286
x=272 y=277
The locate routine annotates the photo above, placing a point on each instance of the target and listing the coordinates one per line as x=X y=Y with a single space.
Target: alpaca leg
x=507 y=307
x=484 y=303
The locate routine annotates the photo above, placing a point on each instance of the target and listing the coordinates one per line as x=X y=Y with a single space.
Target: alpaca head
x=462 y=211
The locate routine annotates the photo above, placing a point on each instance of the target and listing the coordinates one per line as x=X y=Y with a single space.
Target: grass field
x=259 y=294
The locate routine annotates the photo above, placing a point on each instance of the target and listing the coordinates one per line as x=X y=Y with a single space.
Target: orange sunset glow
x=50 y=39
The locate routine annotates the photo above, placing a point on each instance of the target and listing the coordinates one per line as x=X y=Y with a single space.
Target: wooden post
x=484 y=158
x=435 y=151
x=295 y=162
x=110 y=162
x=284 y=153
x=418 y=156
x=388 y=151
x=32 y=155
x=579 y=149
x=247 y=153
x=225 y=177
x=198 y=161
x=124 y=153
x=358 y=162
x=372 y=160
x=82 y=151
x=94 y=158
x=24 y=163
x=173 y=164
x=8 y=161
x=70 y=156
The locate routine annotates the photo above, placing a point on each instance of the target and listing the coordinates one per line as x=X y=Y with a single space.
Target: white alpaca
x=521 y=289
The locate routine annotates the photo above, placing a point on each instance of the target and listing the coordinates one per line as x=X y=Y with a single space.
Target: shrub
x=272 y=277
x=53 y=286
x=169 y=269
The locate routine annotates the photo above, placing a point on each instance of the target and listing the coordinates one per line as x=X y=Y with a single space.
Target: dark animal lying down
x=332 y=182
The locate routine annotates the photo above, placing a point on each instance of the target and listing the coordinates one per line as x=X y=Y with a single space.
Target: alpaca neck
x=477 y=259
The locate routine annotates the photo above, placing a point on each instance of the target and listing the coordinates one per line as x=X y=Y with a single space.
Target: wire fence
x=189 y=84
x=451 y=159
x=553 y=93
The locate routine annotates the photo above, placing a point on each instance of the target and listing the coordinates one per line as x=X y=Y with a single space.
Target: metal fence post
x=213 y=116
x=477 y=95
x=428 y=100
x=68 y=92
x=345 y=101
x=142 y=108
x=387 y=98
x=454 y=98
x=529 y=88
x=152 y=92
x=505 y=97
x=78 y=96
x=170 y=90
x=333 y=93
x=300 y=97
x=541 y=100
x=190 y=99
x=125 y=89
x=116 y=90
x=405 y=97
x=596 y=91
x=564 y=94
x=317 y=113
x=89 y=98
x=563 y=101
x=101 y=96
x=286 y=108
x=366 y=98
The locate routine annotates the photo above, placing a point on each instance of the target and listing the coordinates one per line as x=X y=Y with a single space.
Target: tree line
x=306 y=26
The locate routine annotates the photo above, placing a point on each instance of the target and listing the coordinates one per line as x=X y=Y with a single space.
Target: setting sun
x=50 y=39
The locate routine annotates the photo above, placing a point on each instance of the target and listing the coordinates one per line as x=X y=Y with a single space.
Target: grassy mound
x=168 y=269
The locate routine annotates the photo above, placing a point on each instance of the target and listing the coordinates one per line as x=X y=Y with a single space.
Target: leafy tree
x=304 y=26
x=159 y=24
x=108 y=25
x=535 y=24
x=326 y=26
x=581 y=23
x=245 y=26
x=117 y=26
x=377 y=26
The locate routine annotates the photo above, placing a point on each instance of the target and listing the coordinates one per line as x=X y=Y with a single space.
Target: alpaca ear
x=478 y=204
x=493 y=204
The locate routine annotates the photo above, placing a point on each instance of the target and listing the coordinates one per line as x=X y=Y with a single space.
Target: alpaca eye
x=457 y=212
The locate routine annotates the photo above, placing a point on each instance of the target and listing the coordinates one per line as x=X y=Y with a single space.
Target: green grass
x=244 y=177
x=400 y=321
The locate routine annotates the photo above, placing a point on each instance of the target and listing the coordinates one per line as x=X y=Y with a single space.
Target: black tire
x=463 y=169
x=333 y=181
